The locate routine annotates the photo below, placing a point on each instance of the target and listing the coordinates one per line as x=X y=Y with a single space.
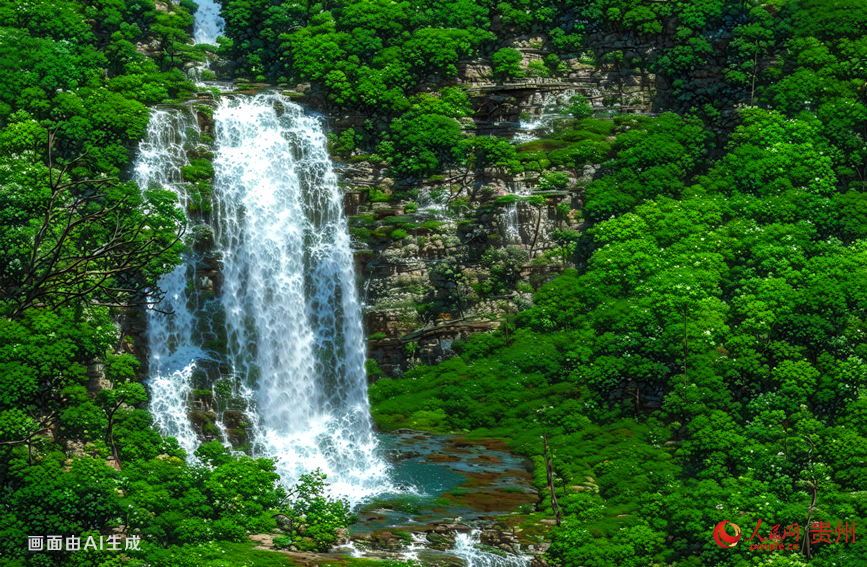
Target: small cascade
x=465 y=548
x=512 y=226
x=552 y=105
x=175 y=346
x=207 y=27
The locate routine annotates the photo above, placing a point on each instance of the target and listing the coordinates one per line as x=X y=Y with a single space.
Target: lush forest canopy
x=704 y=361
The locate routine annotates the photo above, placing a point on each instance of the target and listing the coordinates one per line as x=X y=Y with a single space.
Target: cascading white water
x=552 y=105
x=292 y=315
x=292 y=311
x=173 y=348
x=208 y=24
x=512 y=224
x=465 y=548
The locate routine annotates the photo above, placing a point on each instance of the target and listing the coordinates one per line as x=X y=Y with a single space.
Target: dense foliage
x=704 y=361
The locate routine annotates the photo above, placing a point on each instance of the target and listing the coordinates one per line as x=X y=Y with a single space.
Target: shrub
x=538 y=69
x=371 y=367
x=200 y=236
x=316 y=518
x=553 y=181
x=433 y=226
x=579 y=107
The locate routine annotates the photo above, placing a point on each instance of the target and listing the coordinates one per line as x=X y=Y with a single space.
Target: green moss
x=199 y=170
x=360 y=234
x=433 y=226
x=362 y=220
x=206 y=110
x=398 y=234
x=203 y=394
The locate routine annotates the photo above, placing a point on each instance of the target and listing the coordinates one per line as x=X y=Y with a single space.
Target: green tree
x=506 y=64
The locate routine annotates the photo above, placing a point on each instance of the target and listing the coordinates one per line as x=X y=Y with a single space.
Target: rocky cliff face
x=433 y=271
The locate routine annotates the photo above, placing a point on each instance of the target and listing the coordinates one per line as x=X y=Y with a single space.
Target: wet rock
x=440 y=541
x=389 y=541
x=398 y=455
x=501 y=540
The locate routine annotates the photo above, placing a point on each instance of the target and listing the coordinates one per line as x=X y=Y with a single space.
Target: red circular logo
x=723 y=539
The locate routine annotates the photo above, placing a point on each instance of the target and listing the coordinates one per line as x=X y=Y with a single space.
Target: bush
x=200 y=236
x=316 y=518
x=372 y=369
x=433 y=226
x=538 y=69
x=579 y=107
x=553 y=181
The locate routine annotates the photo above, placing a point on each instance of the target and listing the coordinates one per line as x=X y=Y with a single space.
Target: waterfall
x=512 y=225
x=288 y=305
x=552 y=104
x=465 y=548
x=174 y=346
x=292 y=309
x=208 y=24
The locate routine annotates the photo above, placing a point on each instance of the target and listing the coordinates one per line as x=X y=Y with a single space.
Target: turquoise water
x=422 y=482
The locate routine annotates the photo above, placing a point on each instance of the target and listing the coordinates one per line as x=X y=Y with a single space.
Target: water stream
x=512 y=224
x=465 y=548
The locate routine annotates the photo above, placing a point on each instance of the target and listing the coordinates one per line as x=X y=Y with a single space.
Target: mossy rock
x=202 y=418
x=232 y=419
x=236 y=437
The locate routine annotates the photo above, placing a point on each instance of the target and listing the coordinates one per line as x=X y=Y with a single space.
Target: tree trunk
x=110 y=435
x=550 y=472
